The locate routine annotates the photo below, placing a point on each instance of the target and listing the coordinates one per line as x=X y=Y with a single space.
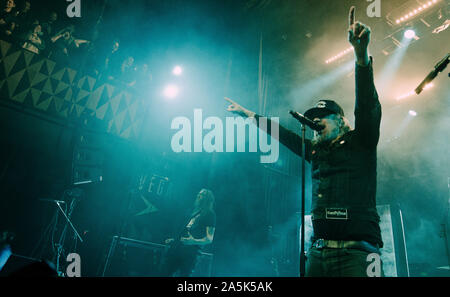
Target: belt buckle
x=319 y=244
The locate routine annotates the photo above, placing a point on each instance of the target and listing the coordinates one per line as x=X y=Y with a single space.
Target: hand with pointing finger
x=238 y=109
x=359 y=37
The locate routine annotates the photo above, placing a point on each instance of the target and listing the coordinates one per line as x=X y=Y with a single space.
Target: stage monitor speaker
x=134 y=258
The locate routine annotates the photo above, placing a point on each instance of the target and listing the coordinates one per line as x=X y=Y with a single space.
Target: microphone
x=438 y=68
x=305 y=121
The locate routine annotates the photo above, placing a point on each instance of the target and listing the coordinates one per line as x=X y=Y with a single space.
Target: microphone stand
x=68 y=219
x=440 y=66
x=304 y=121
x=63 y=234
x=445 y=225
x=302 y=228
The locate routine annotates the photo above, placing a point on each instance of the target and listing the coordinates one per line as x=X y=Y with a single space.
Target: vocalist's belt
x=346 y=244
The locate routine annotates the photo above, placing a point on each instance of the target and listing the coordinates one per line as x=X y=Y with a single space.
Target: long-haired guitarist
x=199 y=232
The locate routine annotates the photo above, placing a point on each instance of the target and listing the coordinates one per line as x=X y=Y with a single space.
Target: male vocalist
x=344 y=216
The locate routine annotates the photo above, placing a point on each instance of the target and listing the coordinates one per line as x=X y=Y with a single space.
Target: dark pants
x=338 y=262
x=180 y=261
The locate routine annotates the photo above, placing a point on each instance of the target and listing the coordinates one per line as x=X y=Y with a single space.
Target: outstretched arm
x=288 y=138
x=367 y=105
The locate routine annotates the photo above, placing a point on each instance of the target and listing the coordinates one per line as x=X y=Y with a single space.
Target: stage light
x=410 y=34
x=412 y=93
x=412 y=113
x=340 y=55
x=171 y=91
x=177 y=71
x=415 y=11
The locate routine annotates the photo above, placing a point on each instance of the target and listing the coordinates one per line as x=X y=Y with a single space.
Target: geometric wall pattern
x=41 y=84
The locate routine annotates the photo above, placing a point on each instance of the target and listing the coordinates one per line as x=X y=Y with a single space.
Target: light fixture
x=414 y=11
x=412 y=113
x=410 y=34
x=177 y=70
x=171 y=91
x=339 y=55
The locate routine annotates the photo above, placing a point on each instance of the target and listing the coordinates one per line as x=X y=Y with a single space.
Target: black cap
x=324 y=108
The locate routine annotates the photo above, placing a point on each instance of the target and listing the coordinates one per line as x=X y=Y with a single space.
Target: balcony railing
x=40 y=84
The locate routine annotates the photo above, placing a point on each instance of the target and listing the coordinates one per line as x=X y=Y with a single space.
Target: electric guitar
x=176 y=245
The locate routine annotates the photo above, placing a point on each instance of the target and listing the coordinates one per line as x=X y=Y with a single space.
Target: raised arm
x=367 y=105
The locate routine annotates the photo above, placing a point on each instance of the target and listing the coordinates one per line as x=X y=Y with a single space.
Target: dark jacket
x=344 y=173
